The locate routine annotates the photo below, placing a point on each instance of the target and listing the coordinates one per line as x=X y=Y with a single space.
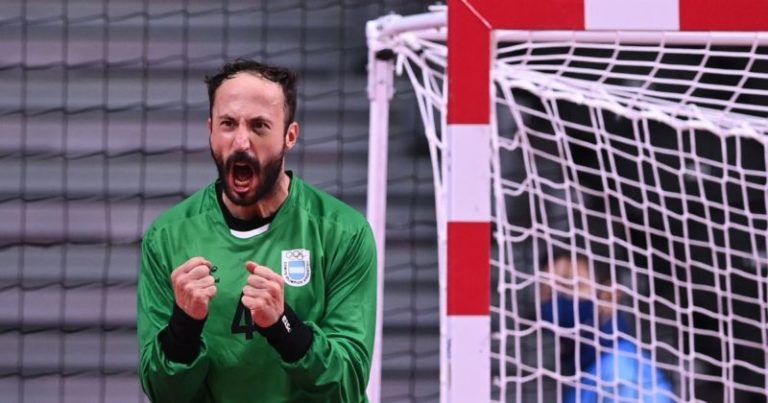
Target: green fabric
x=236 y=364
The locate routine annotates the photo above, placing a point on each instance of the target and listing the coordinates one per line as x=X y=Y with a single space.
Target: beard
x=241 y=167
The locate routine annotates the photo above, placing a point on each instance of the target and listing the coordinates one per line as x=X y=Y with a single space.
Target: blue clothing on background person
x=626 y=375
x=625 y=372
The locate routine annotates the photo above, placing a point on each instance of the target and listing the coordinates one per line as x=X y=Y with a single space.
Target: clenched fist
x=263 y=295
x=194 y=287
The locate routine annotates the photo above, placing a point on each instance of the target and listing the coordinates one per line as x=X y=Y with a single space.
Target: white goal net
x=629 y=211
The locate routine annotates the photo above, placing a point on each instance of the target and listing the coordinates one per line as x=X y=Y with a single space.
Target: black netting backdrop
x=102 y=127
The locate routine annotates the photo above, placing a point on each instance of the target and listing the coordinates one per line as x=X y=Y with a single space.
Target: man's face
x=568 y=277
x=570 y=284
x=248 y=136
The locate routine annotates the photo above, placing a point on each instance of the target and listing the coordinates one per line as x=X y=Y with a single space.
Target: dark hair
x=280 y=75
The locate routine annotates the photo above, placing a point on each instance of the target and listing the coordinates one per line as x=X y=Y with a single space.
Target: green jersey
x=326 y=254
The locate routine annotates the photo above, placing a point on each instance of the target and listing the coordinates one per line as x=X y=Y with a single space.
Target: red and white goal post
x=631 y=132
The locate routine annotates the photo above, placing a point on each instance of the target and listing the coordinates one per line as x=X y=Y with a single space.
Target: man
x=611 y=366
x=259 y=287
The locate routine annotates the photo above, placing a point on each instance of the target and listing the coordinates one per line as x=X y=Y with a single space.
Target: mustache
x=242 y=157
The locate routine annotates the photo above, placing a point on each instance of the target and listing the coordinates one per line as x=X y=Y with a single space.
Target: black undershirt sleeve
x=289 y=335
x=181 y=340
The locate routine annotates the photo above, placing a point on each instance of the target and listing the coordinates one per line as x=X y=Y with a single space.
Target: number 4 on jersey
x=242 y=322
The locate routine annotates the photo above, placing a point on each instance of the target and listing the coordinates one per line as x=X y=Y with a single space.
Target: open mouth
x=242 y=175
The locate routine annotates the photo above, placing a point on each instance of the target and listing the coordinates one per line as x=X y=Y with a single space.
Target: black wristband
x=289 y=335
x=181 y=340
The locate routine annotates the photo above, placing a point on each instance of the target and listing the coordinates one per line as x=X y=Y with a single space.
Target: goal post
x=631 y=133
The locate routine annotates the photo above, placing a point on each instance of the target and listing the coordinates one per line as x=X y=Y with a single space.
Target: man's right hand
x=194 y=287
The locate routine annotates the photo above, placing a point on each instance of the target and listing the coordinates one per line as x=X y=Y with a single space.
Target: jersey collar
x=245 y=229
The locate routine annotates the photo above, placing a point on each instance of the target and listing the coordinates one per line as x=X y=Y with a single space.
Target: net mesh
x=646 y=154
x=102 y=127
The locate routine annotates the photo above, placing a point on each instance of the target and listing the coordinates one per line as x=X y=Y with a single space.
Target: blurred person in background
x=604 y=354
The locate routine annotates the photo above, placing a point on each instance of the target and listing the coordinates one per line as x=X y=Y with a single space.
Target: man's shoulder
x=622 y=361
x=635 y=370
x=626 y=362
x=200 y=202
x=328 y=209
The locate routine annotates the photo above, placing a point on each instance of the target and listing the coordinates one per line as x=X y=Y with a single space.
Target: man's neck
x=265 y=207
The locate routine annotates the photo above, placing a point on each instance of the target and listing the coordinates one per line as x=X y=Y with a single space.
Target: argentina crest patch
x=296 y=270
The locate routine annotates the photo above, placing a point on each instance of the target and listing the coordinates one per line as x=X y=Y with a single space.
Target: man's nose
x=242 y=140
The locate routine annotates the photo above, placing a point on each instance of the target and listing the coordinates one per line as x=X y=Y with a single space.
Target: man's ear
x=210 y=127
x=607 y=303
x=603 y=295
x=617 y=294
x=612 y=294
x=291 y=135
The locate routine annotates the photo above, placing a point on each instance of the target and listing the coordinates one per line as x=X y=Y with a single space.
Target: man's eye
x=260 y=126
x=227 y=123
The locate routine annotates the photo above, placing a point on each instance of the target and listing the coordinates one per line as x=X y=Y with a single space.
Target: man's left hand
x=263 y=295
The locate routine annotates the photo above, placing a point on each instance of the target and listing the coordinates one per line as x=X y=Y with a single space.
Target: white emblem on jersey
x=296 y=271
